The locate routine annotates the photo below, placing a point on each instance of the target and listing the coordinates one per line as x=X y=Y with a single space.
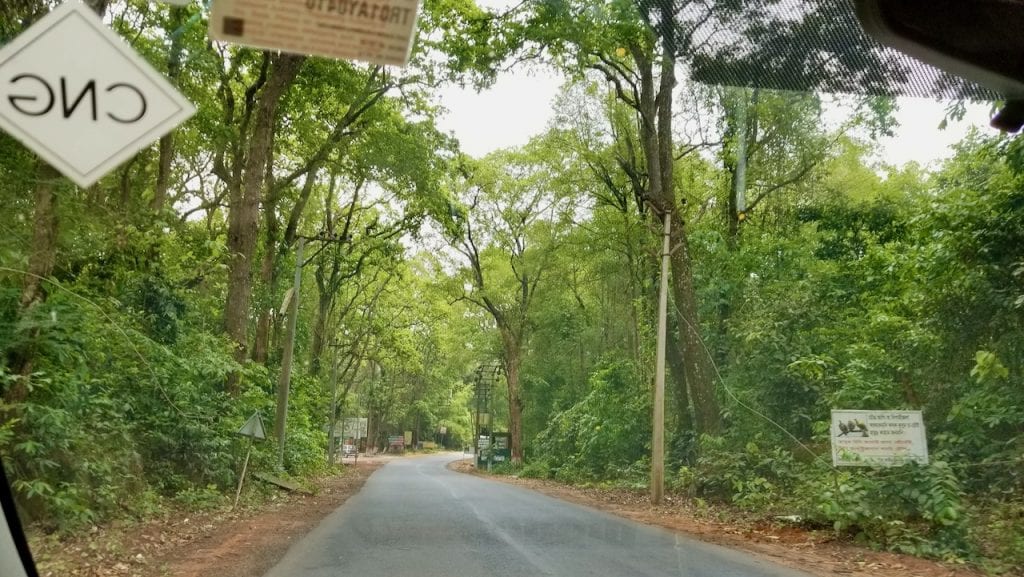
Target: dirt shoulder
x=240 y=543
x=816 y=552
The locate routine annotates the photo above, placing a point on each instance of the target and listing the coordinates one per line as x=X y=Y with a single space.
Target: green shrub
x=914 y=509
x=538 y=469
x=202 y=498
x=999 y=532
x=605 y=433
x=751 y=477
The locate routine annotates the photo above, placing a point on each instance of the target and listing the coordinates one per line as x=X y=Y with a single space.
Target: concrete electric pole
x=658 y=425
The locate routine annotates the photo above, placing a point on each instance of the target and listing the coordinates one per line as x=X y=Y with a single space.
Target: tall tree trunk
x=163 y=175
x=42 y=256
x=684 y=418
x=512 y=360
x=741 y=136
x=696 y=361
x=268 y=276
x=323 y=312
x=243 y=216
x=44 y=235
x=655 y=109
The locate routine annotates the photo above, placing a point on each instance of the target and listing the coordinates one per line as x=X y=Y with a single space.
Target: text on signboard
x=40 y=98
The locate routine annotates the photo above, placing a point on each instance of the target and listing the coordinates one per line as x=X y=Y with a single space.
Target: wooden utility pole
x=658 y=442
x=284 y=381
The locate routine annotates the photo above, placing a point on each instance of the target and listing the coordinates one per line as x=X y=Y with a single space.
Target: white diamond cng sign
x=78 y=96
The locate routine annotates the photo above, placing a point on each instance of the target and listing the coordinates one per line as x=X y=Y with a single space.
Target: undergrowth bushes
x=116 y=422
x=937 y=511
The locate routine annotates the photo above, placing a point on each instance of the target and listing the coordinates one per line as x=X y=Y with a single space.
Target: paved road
x=416 y=518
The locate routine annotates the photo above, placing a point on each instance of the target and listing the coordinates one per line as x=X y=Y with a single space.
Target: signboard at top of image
x=374 y=31
x=878 y=438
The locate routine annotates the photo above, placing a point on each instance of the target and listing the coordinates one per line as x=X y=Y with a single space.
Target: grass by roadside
x=181 y=542
x=815 y=551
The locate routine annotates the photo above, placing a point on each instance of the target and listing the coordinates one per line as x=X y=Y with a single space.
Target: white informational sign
x=355 y=428
x=81 y=98
x=878 y=438
x=375 y=31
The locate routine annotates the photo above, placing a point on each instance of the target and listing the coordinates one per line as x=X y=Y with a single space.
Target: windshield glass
x=585 y=287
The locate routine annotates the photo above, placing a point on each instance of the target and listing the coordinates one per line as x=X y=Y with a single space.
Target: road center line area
x=416 y=518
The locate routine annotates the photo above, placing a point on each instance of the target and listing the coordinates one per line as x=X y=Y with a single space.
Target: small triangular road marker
x=253 y=427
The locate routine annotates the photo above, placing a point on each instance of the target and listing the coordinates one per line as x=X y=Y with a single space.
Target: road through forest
x=416 y=518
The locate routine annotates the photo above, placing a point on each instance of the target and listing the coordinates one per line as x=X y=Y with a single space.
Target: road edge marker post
x=253 y=428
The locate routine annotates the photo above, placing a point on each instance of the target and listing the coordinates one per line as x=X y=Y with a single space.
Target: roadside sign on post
x=878 y=438
x=78 y=96
x=378 y=32
x=253 y=427
x=355 y=427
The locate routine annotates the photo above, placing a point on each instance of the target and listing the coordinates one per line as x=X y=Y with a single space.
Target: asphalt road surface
x=416 y=518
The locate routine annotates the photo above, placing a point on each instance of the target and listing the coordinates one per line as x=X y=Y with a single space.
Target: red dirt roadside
x=240 y=543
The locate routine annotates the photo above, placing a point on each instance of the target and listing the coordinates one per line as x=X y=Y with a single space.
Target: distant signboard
x=396 y=440
x=377 y=31
x=355 y=427
x=483 y=442
x=878 y=438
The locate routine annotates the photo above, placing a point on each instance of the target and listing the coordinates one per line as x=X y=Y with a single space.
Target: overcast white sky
x=518 y=107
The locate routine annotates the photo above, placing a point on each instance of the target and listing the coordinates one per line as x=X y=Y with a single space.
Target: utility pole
x=284 y=381
x=658 y=442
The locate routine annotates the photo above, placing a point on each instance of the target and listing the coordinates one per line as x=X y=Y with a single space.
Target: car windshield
x=487 y=288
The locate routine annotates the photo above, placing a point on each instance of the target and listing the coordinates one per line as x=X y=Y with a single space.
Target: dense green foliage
x=823 y=280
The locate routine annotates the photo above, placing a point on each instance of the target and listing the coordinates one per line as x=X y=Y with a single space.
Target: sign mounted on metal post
x=253 y=427
x=75 y=94
x=374 y=31
x=878 y=438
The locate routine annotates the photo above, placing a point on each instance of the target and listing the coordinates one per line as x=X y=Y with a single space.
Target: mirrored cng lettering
x=33 y=95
